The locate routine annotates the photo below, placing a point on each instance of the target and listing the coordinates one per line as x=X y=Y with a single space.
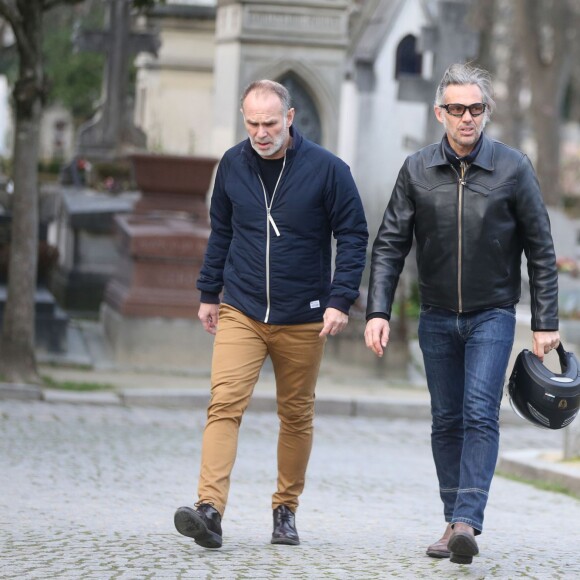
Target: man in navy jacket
x=278 y=200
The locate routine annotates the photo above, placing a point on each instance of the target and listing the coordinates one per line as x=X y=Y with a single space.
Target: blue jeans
x=466 y=357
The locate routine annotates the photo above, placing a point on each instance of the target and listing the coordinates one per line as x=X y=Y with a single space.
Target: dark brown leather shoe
x=285 y=527
x=202 y=524
x=439 y=549
x=463 y=547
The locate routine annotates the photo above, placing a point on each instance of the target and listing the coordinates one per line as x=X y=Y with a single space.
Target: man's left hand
x=544 y=342
x=334 y=322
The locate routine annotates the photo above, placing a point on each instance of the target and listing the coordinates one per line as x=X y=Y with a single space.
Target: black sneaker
x=284 y=527
x=202 y=524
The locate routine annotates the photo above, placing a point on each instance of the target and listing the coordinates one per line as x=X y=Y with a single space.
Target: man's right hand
x=209 y=315
x=377 y=335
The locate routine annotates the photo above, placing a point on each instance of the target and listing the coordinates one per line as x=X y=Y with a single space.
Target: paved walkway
x=89 y=492
x=341 y=391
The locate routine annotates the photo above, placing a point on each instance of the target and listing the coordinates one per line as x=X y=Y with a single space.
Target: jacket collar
x=484 y=158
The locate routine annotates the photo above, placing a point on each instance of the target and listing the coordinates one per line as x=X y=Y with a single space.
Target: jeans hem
x=477 y=527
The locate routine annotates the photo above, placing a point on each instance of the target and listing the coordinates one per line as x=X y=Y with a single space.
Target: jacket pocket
x=424 y=262
x=477 y=188
x=500 y=260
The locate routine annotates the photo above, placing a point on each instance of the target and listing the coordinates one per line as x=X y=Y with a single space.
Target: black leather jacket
x=470 y=231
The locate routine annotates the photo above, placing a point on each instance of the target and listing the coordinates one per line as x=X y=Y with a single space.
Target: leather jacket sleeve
x=390 y=248
x=534 y=231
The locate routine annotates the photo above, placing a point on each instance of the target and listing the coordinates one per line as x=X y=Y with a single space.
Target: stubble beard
x=456 y=137
x=277 y=144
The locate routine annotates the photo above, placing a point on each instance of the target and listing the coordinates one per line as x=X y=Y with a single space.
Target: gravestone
x=83 y=232
x=50 y=321
x=173 y=183
x=111 y=133
x=149 y=314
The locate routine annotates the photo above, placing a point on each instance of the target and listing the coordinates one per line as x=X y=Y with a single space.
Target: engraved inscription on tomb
x=288 y=21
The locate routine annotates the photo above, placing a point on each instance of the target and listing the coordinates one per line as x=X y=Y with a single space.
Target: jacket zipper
x=270 y=221
x=461 y=185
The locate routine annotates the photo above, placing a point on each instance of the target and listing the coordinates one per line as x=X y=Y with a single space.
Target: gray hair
x=267 y=86
x=467 y=74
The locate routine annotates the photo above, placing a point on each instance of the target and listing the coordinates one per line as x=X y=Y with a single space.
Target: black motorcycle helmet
x=542 y=397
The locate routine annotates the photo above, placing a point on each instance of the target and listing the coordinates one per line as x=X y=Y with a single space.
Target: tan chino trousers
x=240 y=349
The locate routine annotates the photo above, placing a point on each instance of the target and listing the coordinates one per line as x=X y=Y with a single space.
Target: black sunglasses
x=457 y=110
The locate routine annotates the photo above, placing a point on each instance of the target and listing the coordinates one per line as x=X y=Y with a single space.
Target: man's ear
x=438 y=113
x=290 y=116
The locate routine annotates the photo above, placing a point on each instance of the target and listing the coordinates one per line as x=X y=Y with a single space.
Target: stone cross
x=450 y=40
x=111 y=131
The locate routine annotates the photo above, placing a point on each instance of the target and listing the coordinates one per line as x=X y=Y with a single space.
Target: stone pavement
x=89 y=491
x=342 y=390
x=89 y=483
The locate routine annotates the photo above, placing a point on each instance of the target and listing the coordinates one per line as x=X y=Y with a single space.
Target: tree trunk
x=482 y=16
x=546 y=119
x=544 y=29
x=17 y=352
x=513 y=120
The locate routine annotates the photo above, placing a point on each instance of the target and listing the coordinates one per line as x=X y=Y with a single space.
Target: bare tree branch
x=561 y=17
x=9 y=11
x=14 y=15
x=48 y=4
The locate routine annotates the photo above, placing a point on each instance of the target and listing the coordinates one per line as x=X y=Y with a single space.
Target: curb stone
x=21 y=392
x=532 y=464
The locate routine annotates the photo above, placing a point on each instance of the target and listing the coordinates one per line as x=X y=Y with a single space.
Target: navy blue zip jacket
x=272 y=258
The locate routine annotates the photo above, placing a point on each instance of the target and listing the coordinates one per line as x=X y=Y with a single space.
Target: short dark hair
x=268 y=86
x=467 y=74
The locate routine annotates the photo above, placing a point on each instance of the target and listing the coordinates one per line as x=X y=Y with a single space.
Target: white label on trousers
x=315 y=304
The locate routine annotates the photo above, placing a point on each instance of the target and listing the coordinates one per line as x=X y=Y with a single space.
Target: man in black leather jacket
x=473 y=205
